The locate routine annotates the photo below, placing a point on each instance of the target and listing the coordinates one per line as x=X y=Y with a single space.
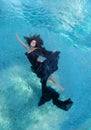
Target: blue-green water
x=65 y=26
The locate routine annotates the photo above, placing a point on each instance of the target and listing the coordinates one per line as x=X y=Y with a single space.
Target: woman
x=44 y=68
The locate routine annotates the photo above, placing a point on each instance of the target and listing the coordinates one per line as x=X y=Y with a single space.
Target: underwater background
x=64 y=25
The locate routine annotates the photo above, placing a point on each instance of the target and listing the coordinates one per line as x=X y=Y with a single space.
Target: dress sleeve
x=46 y=53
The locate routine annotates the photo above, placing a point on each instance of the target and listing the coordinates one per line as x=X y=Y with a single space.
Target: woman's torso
x=33 y=55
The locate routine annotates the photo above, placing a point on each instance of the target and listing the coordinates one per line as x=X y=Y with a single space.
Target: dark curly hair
x=39 y=41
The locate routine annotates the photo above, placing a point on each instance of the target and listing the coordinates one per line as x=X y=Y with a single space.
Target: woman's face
x=33 y=43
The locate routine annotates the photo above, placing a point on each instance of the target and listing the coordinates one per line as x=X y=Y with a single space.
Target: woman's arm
x=22 y=43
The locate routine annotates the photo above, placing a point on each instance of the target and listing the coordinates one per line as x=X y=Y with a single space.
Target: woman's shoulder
x=30 y=51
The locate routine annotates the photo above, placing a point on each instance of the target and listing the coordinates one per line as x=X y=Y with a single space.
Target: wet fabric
x=43 y=70
x=49 y=93
x=47 y=67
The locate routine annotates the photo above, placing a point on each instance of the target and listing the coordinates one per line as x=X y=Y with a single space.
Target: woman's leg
x=52 y=79
x=46 y=95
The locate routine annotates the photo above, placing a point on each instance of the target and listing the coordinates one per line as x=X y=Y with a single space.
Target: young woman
x=44 y=69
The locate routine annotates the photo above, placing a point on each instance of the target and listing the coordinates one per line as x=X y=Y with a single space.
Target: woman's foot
x=67 y=104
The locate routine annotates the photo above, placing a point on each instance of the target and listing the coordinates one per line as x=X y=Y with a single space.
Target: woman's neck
x=32 y=48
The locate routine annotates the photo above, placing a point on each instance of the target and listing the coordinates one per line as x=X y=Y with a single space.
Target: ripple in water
x=71 y=20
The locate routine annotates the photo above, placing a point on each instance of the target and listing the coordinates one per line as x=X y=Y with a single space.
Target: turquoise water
x=65 y=26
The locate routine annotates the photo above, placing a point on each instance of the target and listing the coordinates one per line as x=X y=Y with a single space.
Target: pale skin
x=32 y=48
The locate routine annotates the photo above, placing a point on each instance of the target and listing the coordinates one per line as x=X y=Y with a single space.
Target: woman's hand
x=17 y=36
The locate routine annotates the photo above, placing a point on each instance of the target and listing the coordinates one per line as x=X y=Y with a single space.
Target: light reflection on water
x=70 y=19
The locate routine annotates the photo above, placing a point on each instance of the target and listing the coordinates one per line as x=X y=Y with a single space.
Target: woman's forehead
x=33 y=41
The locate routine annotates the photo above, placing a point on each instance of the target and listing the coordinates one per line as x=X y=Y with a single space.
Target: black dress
x=43 y=70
